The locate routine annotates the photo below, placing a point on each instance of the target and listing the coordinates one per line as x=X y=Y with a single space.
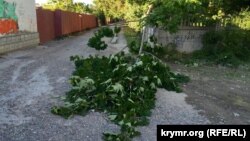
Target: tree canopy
x=111 y=8
x=68 y=5
x=165 y=13
x=170 y=13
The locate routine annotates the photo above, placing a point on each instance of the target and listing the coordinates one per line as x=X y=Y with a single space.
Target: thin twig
x=122 y=49
x=154 y=56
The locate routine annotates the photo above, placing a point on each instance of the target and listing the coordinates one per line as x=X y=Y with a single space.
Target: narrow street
x=33 y=80
x=167 y=43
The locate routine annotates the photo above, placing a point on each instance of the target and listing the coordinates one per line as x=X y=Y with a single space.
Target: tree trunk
x=144 y=30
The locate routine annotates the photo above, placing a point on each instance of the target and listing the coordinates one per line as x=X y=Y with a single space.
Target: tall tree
x=68 y=5
x=170 y=13
x=122 y=9
x=111 y=8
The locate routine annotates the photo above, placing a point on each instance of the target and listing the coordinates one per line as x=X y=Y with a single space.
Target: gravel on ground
x=33 y=80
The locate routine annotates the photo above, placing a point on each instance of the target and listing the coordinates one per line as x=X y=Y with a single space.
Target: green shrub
x=117 y=29
x=107 y=32
x=242 y=20
x=227 y=47
x=131 y=36
x=154 y=48
x=134 y=47
x=96 y=41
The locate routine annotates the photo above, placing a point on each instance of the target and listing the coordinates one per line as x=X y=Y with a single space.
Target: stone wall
x=187 y=39
x=17 y=41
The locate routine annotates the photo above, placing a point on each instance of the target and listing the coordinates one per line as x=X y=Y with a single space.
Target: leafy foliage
x=96 y=41
x=134 y=14
x=233 y=7
x=134 y=47
x=111 y=8
x=155 y=49
x=117 y=29
x=106 y=32
x=131 y=12
x=68 y=5
x=152 y=47
x=132 y=36
x=101 y=17
x=227 y=47
x=118 y=84
x=242 y=20
x=169 y=14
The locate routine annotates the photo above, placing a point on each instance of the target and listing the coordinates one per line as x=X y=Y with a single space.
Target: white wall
x=26 y=13
x=187 y=39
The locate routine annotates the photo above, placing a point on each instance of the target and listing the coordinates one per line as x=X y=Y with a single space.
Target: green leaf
x=129 y=69
x=139 y=63
x=129 y=124
x=152 y=85
x=80 y=100
x=141 y=89
x=112 y=117
x=145 y=78
x=159 y=82
x=121 y=122
x=130 y=100
x=117 y=87
x=116 y=69
x=107 y=81
x=128 y=78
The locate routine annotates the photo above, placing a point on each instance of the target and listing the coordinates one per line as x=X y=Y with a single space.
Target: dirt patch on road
x=222 y=94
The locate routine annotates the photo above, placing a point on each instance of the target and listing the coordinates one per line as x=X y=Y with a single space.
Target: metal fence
x=45 y=25
x=52 y=24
